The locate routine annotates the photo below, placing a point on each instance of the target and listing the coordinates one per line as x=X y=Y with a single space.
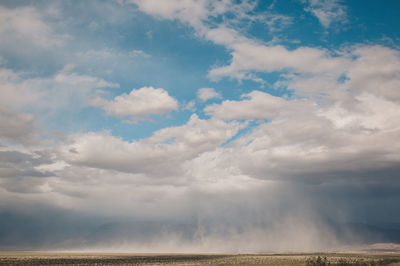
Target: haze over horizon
x=199 y=126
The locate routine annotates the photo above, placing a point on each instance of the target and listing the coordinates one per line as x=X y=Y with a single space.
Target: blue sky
x=171 y=111
x=174 y=58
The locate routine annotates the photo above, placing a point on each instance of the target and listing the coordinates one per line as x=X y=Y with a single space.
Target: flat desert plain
x=55 y=258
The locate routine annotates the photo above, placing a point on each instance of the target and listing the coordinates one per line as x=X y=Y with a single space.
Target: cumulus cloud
x=312 y=144
x=376 y=70
x=255 y=105
x=162 y=154
x=206 y=94
x=372 y=69
x=139 y=104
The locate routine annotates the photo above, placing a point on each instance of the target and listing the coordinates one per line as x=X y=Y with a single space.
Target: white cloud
x=255 y=105
x=206 y=94
x=17 y=127
x=26 y=24
x=191 y=12
x=249 y=57
x=139 y=104
x=376 y=70
x=135 y=53
x=319 y=146
x=371 y=69
x=277 y=22
x=327 y=11
x=163 y=154
x=84 y=81
x=24 y=99
x=106 y=57
x=371 y=113
x=190 y=106
x=317 y=87
x=63 y=89
x=13 y=91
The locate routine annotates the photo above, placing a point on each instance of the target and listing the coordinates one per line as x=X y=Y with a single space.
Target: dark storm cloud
x=18 y=172
x=229 y=224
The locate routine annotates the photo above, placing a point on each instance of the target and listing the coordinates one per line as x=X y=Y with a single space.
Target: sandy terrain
x=52 y=258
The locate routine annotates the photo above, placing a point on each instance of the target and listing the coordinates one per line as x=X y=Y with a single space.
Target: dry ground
x=51 y=258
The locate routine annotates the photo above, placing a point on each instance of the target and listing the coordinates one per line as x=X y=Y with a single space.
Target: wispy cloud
x=328 y=12
x=206 y=94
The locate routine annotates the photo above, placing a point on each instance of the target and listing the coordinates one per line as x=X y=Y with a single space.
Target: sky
x=199 y=126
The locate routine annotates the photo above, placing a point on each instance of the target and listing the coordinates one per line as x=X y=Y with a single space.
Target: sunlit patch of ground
x=47 y=258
